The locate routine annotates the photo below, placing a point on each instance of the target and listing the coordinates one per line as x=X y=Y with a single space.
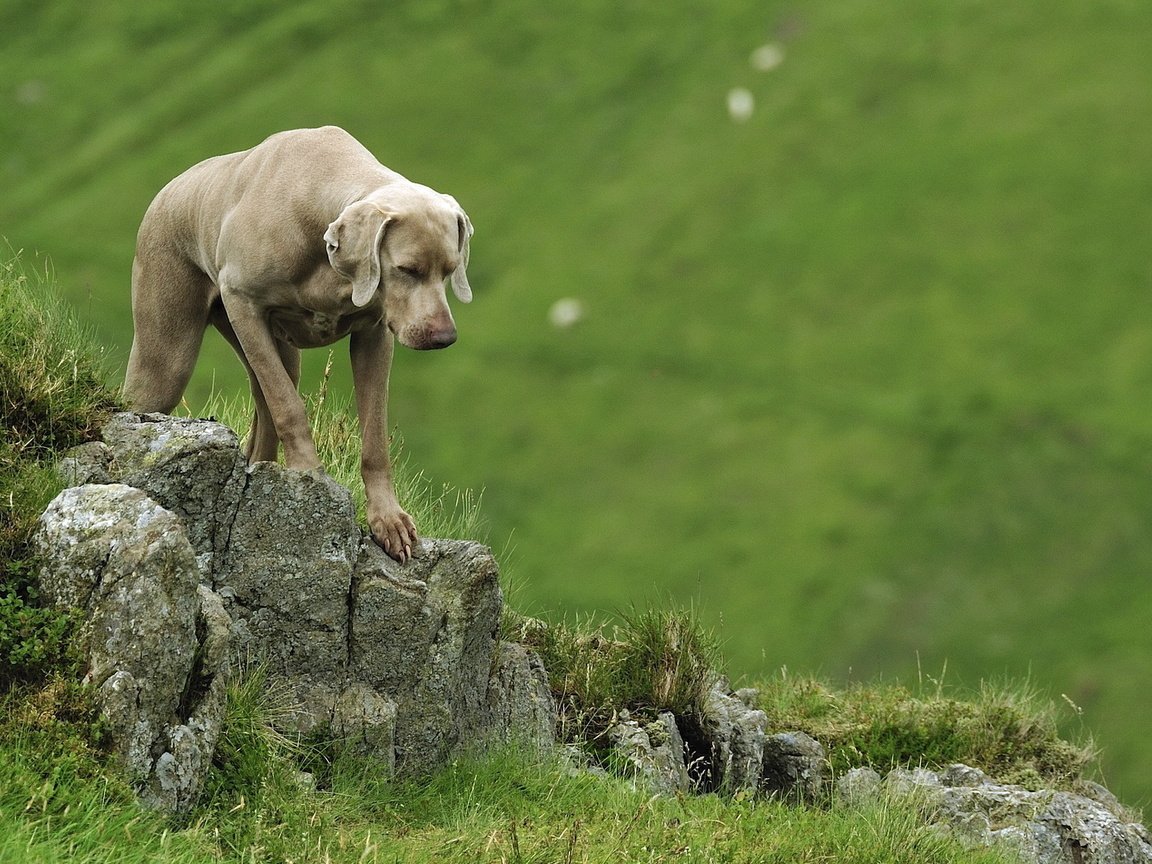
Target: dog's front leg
x=391 y=527
x=264 y=358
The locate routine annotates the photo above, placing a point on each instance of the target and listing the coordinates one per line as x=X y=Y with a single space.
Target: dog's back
x=284 y=191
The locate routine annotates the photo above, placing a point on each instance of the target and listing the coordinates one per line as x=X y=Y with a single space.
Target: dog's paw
x=395 y=533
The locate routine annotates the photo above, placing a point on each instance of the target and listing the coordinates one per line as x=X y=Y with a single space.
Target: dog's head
x=404 y=241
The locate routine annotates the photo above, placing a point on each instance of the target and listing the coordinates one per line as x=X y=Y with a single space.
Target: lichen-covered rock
x=795 y=766
x=737 y=735
x=86 y=463
x=116 y=554
x=1045 y=827
x=424 y=634
x=520 y=707
x=192 y=467
x=652 y=752
x=365 y=722
x=286 y=576
x=856 y=787
x=125 y=560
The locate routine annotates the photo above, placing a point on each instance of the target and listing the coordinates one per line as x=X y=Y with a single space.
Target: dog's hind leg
x=170 y=304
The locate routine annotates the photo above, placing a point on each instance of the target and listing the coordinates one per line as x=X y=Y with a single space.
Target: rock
x=795 y=767
x=287 y=574
x=857 y=787
x=1041 y=827
x=737 y=736
x=116 y=554
x=192 y=467
x=424 y=633
x=520 y=707
x=214 y=629
x=963 y=775
x=913 y=782
x=191 y=560
x=652 y=752
x=366 y=722
x=86 y=463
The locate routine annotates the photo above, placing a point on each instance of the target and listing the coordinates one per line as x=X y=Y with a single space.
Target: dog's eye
x=411 y=272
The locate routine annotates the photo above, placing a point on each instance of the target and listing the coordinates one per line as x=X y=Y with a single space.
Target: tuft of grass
x=253 y=754
x=1007 y=730
x=52 y=396
x=668 y=660
x=57 y=725
x=649 y=661
x=52 y=376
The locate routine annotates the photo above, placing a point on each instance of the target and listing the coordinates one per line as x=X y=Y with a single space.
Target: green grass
x=272 y=798
x=52 y=395
x=1008 y=731
x=60 y=802
x=864 y=377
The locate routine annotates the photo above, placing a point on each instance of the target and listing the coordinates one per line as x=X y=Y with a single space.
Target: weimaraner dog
x=296 y=243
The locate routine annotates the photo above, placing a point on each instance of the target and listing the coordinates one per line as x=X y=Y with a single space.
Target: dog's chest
x=312 y=328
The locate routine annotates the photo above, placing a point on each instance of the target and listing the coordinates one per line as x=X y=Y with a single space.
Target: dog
x=296 y=243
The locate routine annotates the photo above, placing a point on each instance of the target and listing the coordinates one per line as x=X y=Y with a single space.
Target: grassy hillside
x=865 y=376
x=269 y=796
x=59 y=803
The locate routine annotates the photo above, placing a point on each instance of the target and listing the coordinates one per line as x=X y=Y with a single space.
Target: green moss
x=1007 y=731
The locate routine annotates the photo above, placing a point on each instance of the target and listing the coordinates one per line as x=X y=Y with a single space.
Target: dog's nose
x=442 y=338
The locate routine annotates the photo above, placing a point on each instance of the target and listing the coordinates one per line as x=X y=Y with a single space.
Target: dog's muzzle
x=428 y=339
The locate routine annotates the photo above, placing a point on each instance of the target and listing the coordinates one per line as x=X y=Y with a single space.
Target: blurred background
x=833 y=320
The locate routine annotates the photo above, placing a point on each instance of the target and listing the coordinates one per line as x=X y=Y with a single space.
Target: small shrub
x=34 y=639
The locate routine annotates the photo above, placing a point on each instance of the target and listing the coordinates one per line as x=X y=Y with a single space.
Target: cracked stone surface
x=126 y=561
x=1039 y=827
x=401 y=662
x=194 y=468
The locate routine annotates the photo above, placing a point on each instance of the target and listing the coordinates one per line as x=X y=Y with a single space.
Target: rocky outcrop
x=184 y=559
x=1045 y=827
x=152 y=637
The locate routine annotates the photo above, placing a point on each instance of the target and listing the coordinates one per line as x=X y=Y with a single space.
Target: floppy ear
x=460 y=285
x=354 y=247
